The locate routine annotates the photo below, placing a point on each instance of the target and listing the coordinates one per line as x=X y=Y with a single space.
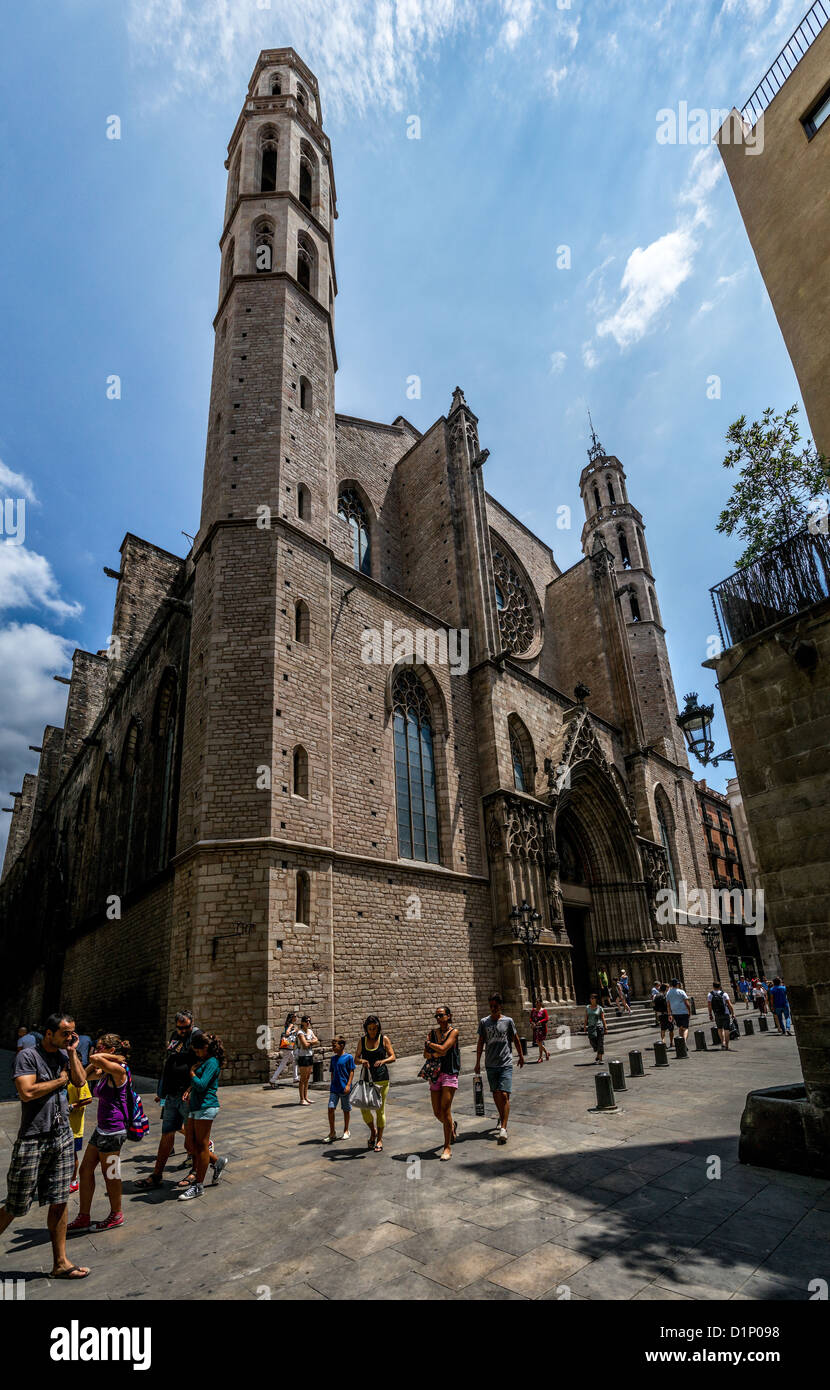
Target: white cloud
x=518 y=19
x=653 y=274
x=555 y=77
x=15 y=484
x=557 y=362
x=29 y=699
x=363 y=52
x=27 y=579
x=590 y=358
x=651 y=279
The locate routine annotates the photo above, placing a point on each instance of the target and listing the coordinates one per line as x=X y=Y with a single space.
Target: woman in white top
x=306 y=1039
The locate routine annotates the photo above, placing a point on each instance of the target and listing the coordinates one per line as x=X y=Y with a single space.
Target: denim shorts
x=108 y=1143
x=174 y=1114
x=207 y=1112
x=340 y=1097
x=500 y=1078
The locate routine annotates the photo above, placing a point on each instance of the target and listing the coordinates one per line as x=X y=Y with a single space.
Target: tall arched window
x=233 y=192
x=306 y=394
x=165 y=734
x=268 y=149
x=624 y=553
x=666 y=841
x=306 y=182
x=227 y=267
x=302 y=897
x=276 y=85
x=102 y=794
x=521 y=755
x=302 y=96
x=129 y=775
x=635 y=609
x=351 y=509
x=305 y=262
x=417 y=811
x=518 y=764
x=302 y=622
x=303 y=503
x=597 y=502
x=300 y=772
x=263 y=247
x=611 y=498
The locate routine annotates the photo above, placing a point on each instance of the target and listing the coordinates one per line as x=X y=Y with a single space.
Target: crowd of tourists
x=60 y=1072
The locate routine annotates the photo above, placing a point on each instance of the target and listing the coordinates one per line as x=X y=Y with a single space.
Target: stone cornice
x=272 y=842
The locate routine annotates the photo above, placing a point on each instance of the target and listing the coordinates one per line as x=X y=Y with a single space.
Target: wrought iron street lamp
x=696 y=723
x=711 y=939
x=526 y=926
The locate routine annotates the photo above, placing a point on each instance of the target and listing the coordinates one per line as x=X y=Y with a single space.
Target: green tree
x=770 y=502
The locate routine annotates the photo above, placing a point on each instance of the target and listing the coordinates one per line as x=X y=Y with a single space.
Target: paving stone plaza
x=577 y=1205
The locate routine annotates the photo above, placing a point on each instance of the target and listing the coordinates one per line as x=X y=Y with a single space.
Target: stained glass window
x=417 y=811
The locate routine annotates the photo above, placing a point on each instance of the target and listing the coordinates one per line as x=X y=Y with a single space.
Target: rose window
x=515 y=612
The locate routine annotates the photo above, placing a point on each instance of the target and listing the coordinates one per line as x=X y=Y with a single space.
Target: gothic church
x=240 y=814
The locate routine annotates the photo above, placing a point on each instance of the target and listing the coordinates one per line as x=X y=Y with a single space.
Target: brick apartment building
x=284 y=811
x=742 y=949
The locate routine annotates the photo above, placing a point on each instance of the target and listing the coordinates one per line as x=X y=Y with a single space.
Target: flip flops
x=73 y=1272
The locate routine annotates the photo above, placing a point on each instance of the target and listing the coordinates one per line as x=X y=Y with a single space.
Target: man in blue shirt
x=781 y=1007
x=679 y=1005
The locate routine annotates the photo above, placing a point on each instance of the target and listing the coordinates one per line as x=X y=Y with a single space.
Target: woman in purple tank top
x=111 y=1076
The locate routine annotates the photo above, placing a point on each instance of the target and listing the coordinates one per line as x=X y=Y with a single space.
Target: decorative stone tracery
x=515 y=613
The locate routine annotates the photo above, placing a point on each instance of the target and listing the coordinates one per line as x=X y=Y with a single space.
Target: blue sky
x=538 y=131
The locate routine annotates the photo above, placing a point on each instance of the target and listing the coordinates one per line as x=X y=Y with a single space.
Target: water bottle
x=478 y=1095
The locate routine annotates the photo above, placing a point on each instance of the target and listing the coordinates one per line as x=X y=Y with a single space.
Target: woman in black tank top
x=375 y=1053
x=442 y=1045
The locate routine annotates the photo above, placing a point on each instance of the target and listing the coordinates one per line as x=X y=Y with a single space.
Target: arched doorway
x=605 y=908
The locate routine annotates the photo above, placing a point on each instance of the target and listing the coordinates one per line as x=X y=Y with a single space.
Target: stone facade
x=775 y=690
x=285 y=810
x=779 y=177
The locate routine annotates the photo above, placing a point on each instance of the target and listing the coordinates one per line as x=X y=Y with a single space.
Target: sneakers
x=73 y=1186
x=501 y=1134
x=330 y=1139
x=218 y=1169
x=194 y=1190
x=110 y=1224
x=81 y=1223
x=347 y=1134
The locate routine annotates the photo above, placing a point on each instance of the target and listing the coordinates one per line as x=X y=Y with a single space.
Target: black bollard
x=763 y=1024
x=700 y=1039
x=692 y=1004
x=715 y=1036
x=617 y=1075
x=680 y=1048
x=660 y=1055
x=635 y=1064
x=749 y=1027
x=605 y=1091
x=317 y=1069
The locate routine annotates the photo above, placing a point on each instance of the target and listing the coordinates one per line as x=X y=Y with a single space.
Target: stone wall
x=776 y=699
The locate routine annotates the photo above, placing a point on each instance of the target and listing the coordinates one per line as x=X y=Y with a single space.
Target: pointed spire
x=458 y=401
x=596 y=451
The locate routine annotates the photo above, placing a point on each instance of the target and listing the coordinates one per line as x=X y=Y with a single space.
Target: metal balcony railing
x=787 y=61
x=782 y=582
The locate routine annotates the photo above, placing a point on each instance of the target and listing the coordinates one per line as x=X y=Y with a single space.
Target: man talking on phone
x=43 y=1155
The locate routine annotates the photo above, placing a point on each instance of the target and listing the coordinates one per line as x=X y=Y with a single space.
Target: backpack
x=719 y=1005
x=137 y=1123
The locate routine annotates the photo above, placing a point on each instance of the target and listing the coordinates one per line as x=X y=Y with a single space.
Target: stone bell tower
x=255 y=779
x=271 y=431
x=612 y=519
